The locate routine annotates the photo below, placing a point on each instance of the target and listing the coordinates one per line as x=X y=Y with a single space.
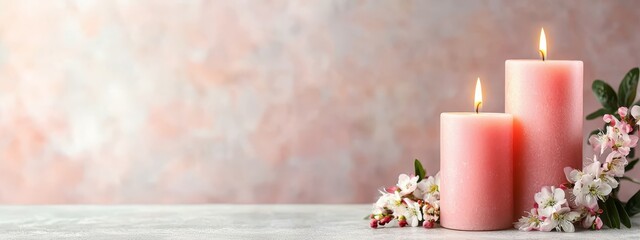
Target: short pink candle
x=476 y=171
x=545 y=98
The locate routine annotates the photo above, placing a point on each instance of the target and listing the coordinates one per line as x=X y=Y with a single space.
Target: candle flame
x=478 y=100
x=543 y=44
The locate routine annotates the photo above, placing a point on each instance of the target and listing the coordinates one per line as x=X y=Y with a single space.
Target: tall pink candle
x=476 y=171
x=545 y=98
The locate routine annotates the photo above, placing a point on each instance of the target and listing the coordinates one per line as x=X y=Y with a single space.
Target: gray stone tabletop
x=237 y=222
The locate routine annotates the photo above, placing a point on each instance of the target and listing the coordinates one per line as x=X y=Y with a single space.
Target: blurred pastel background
x=319 y=101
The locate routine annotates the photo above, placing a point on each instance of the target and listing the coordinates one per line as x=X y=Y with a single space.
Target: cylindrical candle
x=476 y=171
x=545 y=99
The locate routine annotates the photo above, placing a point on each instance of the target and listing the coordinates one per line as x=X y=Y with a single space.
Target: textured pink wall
x=263 y=101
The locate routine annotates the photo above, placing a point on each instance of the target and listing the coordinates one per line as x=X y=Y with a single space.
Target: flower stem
x=630 y=179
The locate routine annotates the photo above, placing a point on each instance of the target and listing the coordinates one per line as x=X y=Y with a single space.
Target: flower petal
x=635 y=111
x=567 y=226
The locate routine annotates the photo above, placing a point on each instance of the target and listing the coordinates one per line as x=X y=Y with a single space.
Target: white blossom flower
x=530 y=221
x=617 y=134
x=573 y=175
x=615 y=164
x=561 y=220
x=592 y=168
x=610 y=180
x=599 y=142
x=399 y=211
x=396 y=204
x=550 y=200
x=413 y=214
x=394 y=199
x=589 y=189
x=428 y=187
x=383 y=200
x=407 y=184
x=621 y=141
x=421 y=189
x=595 y=169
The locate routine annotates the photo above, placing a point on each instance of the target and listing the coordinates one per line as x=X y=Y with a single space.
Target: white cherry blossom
x=407 y=184
x=561 y=220
x=599 y=142
x=615 y=164
x=589 y=189
x=530 y=221
x=413 y=214
x=550 y=200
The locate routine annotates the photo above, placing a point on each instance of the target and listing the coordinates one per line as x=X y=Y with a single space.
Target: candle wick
x=478 y=107
x=541 y=54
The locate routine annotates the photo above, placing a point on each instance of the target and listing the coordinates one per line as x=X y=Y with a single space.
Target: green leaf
x=628 y=88
x=605 y=214
x=624 y=217
x=598 y=113
x=631 y=164
x=633 y=205
x=614 y=217
x=632 y=153
x=605 y=95
x=420 y=172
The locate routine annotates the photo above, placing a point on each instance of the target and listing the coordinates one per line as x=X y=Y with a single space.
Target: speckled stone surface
x=236 y=222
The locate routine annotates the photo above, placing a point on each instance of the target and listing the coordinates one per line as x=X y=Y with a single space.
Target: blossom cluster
x=577 y=201
x=411 y=202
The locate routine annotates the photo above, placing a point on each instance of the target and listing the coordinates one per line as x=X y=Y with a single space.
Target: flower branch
x=413 y=201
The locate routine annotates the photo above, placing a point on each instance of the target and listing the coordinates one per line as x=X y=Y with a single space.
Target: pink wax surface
x=545 y=99
x=476 y=171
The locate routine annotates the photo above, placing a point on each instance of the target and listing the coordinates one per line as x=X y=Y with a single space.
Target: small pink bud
x=402 y=223
x=387 y=219
x=373 y=223
x=623 y=111
x=428 y=224
x=608 y=118
x=563 y=187
x=535 y=205
x=598 y=223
